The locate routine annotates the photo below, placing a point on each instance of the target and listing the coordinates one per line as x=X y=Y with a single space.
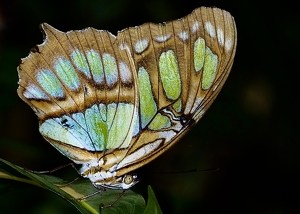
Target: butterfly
x=114 y=103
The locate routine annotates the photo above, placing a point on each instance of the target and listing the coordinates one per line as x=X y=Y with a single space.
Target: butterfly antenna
x=102 y=206
x=187 y=171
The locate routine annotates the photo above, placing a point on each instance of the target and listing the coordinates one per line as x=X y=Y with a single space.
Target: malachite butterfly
x=115 y=103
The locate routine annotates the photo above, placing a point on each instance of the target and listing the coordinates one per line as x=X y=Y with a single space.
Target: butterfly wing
x=181 y=67
x=115 y=103
x=83 y=91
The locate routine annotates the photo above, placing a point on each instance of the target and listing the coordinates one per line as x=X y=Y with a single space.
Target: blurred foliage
x=250 y=132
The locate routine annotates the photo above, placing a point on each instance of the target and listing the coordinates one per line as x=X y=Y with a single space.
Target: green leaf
x=152 y=205
x=127 y=202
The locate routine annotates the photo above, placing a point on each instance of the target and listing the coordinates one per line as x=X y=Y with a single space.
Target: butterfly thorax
x=105 y=176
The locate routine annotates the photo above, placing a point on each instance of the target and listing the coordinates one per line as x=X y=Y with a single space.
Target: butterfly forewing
x=112 y=103
x=188 y=61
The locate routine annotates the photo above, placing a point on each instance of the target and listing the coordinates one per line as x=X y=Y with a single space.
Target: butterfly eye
x=129 y=180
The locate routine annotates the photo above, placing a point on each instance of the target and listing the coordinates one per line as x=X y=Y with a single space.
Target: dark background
x=250 y=132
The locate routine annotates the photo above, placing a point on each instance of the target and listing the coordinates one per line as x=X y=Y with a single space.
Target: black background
x=250 y=132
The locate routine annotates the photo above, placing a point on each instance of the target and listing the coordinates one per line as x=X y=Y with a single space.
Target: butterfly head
x=123 y=182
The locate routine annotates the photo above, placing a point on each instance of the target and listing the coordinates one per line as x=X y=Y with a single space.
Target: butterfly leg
x=56 y=169
x=53 y=170
x=91 y=195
